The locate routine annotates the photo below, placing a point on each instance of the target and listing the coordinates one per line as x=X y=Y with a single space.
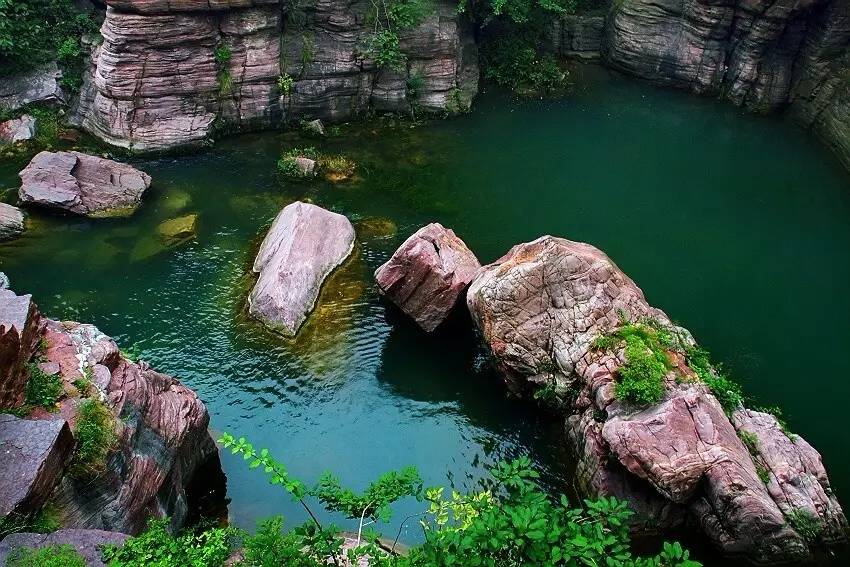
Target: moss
x=95 y=436
x=806 y=524
x=42 y=389
x=49 y=556
x=728 y=393
x=336 y=167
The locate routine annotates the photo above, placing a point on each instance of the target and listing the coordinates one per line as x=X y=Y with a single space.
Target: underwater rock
x=39 y=85
x=427 y=274
x=175 y=231
x=12 y=222
x=376 y=227
x=540 y=309
x=86 y=542
x=303 y=246
x=17 y=130
x=82 y=184
x=33 y=455
x=20 y=330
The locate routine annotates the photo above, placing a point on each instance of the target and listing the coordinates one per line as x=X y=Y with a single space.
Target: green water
x=737 y=226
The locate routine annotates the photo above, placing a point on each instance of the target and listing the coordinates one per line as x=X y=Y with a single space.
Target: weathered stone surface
x=540 y=308
x=304 y=245
x=82 y=184
x=578 y=36
x=20 y=330
x=427 y=274
x=170 y=6
x=306 y=166
x=4 y=281
x=315 y=127
x=12 y=221
x=39 y=85
x=86 y=542
x=33 y=455
x=17 y=130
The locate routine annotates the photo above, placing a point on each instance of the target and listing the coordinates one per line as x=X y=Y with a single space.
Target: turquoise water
x=737 y=226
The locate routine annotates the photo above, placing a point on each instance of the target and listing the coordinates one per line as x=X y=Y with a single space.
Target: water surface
x=735 y=225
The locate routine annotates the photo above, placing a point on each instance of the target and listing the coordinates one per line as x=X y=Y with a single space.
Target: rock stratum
x=173 y=73
x=749 y=485
x=161 y=437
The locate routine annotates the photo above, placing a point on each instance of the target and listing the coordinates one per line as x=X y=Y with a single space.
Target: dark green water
x=737 y=226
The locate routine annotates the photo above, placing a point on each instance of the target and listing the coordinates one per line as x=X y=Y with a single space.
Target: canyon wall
x=174 y=73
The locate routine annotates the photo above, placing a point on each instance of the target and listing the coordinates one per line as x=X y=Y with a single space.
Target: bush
x=388 y=18
x=728 y=393
x=42 y=390
x=155 y=547
x=95 y=436
x=50 y=556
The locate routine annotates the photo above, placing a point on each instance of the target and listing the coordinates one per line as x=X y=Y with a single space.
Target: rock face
x=11 y=222
x=20 y=330
x=34 y=454
x=17 y=130
x=541 y=307
x=427 y=274
x=578 y=36
x=39 y=85
x=172 y=73
x=304 y=245
x=82 y=184
x=86 y=542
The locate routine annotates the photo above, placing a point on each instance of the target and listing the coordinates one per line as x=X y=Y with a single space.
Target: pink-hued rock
x=17 y=130
x=540 y=309
x=87 y=543
x=12 y=222
x=82 y=184
x=20 y=331
x=170 y=6
x=33 y=455
x=303 y=246
x=427 y=274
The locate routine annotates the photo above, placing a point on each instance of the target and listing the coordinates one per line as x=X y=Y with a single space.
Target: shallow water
x=735 y=225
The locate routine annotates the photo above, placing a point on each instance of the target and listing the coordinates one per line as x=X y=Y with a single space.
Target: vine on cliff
x=388 y=18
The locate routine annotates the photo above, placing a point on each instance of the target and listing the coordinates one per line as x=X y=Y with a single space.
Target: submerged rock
x=82 y=184
x=427 y=274
x=540 y=309
x=376 y=227
x=303 y=246
x=17 y=130
x=175 y=231
x=12 y=221
x=87 y=543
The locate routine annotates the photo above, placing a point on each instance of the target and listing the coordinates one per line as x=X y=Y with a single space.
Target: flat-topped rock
x=304 y=245
x=33 y=455
x=427 y=274
x=39 y=85
x=20 y=330
x=86 y=542
x=82 y=184
x=17 y=130
x=171 y=6
x=12 y=222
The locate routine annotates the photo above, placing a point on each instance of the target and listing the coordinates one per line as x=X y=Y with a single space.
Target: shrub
x=95 y=436
x=42 y=389
x=270 y=547
x=155 y=547
x=285 y=83
x=388 y=18
x=49 y=556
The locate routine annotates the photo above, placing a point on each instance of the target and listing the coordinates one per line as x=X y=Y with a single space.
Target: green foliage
x=337 y=165
x=49 y=556
x=373 y=503
x=517 y=63
x=750 y=441
x=271 y=547
x=779 y=416
x=42 y=389
x=46 y=521
x=728 y=393
x=133 y=353
x=155 y=547
x=388 y=18
x=806 y=524
x=49 y=125
x=517 y=11
x=287 y=165
x=222 y=56
x=385 y=49
x=95 y=436
x=285 y=83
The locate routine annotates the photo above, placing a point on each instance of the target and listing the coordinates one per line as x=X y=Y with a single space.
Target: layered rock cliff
x=172 y=73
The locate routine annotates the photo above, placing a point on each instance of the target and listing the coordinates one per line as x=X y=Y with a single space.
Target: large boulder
x=20 y=332
x=87 y=543
x=427 y=274
x=541 y=310
x=303 y=246
x=33 y=455
x=12 y=222
x=18 y=129
x=82 y=184
x=38 y=85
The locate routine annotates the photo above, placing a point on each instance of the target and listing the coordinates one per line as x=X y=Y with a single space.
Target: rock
x=86 y=542
x=306 y=166
x=303 y=246
x=578 y=36
x=541 y=307
x=39 y=85
x=34 y=454
x=4 y=281
x=175 y=231
x=17 y=130
x=427 y=274
x=20 y=331
x=376 y=227
x=314 y=127
x=12 y=222
x=82 y=184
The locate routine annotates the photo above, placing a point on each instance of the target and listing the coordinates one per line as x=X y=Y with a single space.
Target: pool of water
x=736 y=225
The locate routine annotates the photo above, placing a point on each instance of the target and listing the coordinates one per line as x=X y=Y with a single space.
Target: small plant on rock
x=95 y=436
x=285 y=83
x=806 y=524
x=48 y=556
x=42 y=389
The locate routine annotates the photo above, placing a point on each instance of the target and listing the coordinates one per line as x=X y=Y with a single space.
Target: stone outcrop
x=12 y=222
x=172 y=73
x=21 y=326
x=18 y=129
x=82 y=184
x=578 y=36
x=86 y=542
x=427 y=274
x=303 y=246
x=39 y=85
x=540 y=310
x=33 y=455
